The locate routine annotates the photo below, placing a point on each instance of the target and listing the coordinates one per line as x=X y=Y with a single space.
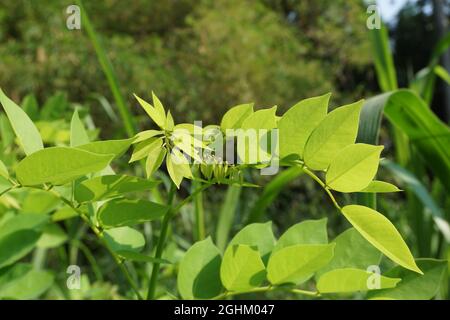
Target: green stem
x=199 y=213
x=100 y=236
x=6 y=190
x=323 y=185
x=160 y=245
x=265 y=290
x=163 y=235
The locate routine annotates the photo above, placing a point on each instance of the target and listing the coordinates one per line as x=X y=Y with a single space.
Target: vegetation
x=294 y=201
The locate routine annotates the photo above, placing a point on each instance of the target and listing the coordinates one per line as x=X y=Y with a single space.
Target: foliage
x=79 y=178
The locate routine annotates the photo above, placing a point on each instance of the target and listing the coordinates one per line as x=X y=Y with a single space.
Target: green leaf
x=296 y=264
x=159 y=108
x=25 y=284
x=242 y=268
x=306 y=232
x=108 y=147
x=336 y=131
x=380 y=187
x=53 y=236
x=23 y=221
x=110 y=186
x=16 y=245
x=3 y=170
x=124 y=239
x=145 y=135
x=381 y=233
x=178 y=167
x=261 y=119
x=124 y=212
x=158 y=117
x=234 y=117
x=412 y=116
x=154 y=160
x=258 y=235
x=353 y=168
x=25 y=130
x=64 y=213
x=144 y=148
x=199 y=273
x=58 y=165
x=415 y=286
x=384 y=63
x=139 y=257
x=78 y=134
x=39 y=201
x=352 y=251
x=416 y=186
x=351 y=280
x=296 y=125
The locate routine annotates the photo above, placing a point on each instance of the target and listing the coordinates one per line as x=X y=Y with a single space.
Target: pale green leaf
x=199 y=272
x=110 y=186
x=258 y=235
x=58 y=165
x=380 y=187
x=3 y=170
x=306 y=232
x=144 y=148
x=353 y=168
x=64 y=213
x=25 y=130
x=296 y=264
x=78 y=134
x=413 y=285
x=234 y=117
x=154 y=160
x=147 y=134
x=154 y=114
x=242 y=268
x=159 y=108
x=23 y=221
x=108 y=147
x=25 y=283
x=170 y=124
x=124 y=239
x=124 y=212
x=296 y=125
x=261 y=119
x=352 y=251
x=352 y=280
x=336 y=131
x=178 y=167
x=381 y=233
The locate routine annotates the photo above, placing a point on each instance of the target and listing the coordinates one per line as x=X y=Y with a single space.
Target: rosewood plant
x=319 y=143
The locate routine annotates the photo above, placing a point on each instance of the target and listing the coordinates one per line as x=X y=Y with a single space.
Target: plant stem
x=6 y=191
x=161 y=244
x=100 y=236
x=199 y=213
x=323 y=185
x=266 y=289
x=163 y=235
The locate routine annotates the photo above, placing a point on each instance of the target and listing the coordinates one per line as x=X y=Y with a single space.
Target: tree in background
x=200 y=56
